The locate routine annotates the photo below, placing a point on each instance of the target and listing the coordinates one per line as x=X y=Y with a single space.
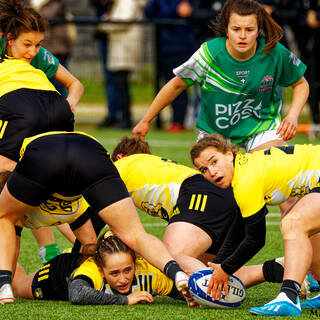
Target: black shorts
x=69 y=164
x=50 y=282
x=27 y=112
x=207 y=206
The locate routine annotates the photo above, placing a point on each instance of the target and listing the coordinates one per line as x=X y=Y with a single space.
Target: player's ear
x=101 y=272
x=230 y=155
x=121 y=155
x=9 y=38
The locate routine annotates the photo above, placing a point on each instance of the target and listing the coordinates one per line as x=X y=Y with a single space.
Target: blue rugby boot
x=313 y=283
x=313 y=303
x=280 y=306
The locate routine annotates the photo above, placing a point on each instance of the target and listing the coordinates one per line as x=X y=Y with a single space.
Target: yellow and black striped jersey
x=146 y=278
x=17 y=74
x=272 y=176
x=153 y=182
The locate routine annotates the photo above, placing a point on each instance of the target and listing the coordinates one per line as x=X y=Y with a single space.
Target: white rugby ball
x=198 y=285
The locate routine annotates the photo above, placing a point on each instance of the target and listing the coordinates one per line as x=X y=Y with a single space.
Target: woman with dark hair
x=23 y=30
x=108 y=272
x=239 y=72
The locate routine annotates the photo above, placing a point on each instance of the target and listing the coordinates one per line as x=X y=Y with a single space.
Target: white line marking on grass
x=269 y=223
x=155 y=143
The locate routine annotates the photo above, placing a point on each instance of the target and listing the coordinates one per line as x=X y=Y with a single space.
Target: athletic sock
x=291 y=288
x=171 y=269
x=5 y=277
x=272 y=271
x=48 y=252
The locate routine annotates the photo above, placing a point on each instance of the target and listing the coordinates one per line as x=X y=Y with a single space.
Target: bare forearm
x=75 y=92
x=299 y=97
x=165 y=96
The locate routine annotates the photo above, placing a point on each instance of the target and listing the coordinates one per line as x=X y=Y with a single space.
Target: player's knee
x=291 y=225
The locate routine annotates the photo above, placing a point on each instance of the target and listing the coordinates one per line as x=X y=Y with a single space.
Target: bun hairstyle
x=16 y=17
x=107 y=244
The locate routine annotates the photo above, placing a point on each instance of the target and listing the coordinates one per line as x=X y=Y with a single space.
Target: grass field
x=173 y=146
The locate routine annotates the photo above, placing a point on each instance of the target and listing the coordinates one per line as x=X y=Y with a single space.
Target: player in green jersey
x=267 y=177
x=22 y=33
x=239 y=72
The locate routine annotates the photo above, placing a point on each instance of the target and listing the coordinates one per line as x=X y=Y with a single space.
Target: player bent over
x=74 y=164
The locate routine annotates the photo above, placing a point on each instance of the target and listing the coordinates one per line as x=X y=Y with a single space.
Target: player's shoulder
x=215 y=46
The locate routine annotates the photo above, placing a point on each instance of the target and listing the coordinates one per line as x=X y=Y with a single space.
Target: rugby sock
x=291 y=288
x=273 y=271
x=171 y=269
x=48 y=252
x=5 y=277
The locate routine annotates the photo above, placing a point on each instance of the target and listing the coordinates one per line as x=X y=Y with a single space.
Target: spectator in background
x=176 y=45
x=102 y=8
x=60 y=37
x=204 y=11
x=311 y=51
x=124 y=51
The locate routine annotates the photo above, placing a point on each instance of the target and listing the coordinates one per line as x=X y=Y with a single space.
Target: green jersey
x=44 y=60
x=240 y=98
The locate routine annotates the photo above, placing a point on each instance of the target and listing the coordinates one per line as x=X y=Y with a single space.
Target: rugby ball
x=198 y=285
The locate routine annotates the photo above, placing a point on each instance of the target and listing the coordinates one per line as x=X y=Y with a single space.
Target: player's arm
x=236 y=235
x=289 y=124
x=73 y=85
x=253 y=241
x=81 y=291
x=165 y=96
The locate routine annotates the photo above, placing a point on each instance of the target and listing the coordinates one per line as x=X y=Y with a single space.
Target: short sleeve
x=291 y=67
x=46 y=62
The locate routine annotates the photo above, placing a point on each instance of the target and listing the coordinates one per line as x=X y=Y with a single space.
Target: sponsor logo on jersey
x=266 y=83
x=229 y=115
x=49 y=57
x=243 y=74
x=296 y=61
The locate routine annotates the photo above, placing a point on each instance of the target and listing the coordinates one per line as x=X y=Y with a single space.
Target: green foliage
x=176 y=147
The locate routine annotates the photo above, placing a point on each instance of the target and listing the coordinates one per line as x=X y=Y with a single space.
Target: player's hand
x=71 y=104
x=181 y=282
x=288 y=128
x=219 y=280
x=139 y=296
x=141 y=129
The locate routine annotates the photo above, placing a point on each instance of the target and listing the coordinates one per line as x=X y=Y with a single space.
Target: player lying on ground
x=106 y=273
x=191 y=204
x=74 y=164
x=268 y=177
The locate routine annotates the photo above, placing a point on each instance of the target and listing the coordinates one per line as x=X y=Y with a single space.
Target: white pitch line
x=155 y=143
x=269 y=223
